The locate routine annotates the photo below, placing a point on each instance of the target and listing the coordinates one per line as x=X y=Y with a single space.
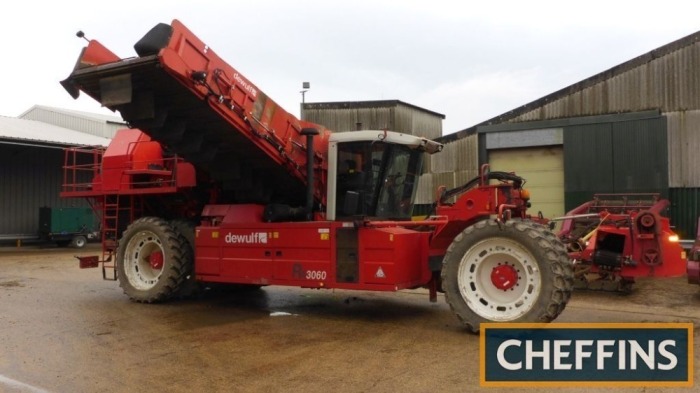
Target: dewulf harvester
x=215 y=183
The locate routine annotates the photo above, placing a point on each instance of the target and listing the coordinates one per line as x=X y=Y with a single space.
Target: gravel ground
x=67 y=330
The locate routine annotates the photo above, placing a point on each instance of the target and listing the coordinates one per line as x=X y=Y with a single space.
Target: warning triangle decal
x=380 y=273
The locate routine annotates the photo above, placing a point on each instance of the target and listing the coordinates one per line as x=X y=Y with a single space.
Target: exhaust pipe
x=310 y=133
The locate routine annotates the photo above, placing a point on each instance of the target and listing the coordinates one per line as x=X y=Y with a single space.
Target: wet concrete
x=66 y=330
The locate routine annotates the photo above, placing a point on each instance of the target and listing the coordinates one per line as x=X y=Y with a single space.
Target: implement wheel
x=152 y=260
x=512 y=272
x=79 y=241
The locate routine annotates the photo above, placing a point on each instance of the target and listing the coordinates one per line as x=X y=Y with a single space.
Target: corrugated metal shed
x=588 y=162
x=615 y=157
x=459 y=156
x=31 y=160
x=30 y=178
x=20 y=130
x=666 y=80
x=640 y=156
x=454 y=166
x=684 y=148
x=393 y=115
x=424 y=194
x=91 y=123
x=684 y=211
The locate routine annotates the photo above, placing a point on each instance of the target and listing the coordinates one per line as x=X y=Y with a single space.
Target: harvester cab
x=374 y=174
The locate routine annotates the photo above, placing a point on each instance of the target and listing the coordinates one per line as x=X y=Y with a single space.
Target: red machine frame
x=618 y=237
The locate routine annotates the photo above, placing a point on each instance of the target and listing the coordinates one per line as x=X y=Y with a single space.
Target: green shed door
x=542 y=168
x=588 y=162
x=615 y=157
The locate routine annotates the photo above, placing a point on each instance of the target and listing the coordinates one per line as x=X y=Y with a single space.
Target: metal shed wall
x=454 y=166
x=424 y=193
x=588 y=165
x=30 y=178
x=667 y=79
x=458 y=155
x=684 y=211
x=393 y=115
x=641 y=156
x=616 y=157
x=419 y=123
x=684 y=170
x=351 y=119
x=683 y=148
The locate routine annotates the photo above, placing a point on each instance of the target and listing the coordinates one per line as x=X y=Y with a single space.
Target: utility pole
x=305 y=86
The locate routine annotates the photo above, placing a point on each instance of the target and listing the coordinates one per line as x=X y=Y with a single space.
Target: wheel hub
x=156 y=260
x=504 y=277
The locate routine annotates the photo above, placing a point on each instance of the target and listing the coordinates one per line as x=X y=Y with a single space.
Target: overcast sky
x=468 y=60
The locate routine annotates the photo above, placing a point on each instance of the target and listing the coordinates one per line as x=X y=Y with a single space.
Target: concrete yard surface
x=66 y=330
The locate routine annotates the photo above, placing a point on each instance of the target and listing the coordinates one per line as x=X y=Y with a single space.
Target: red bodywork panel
x=95 y=54
x=625 y=235
x=153 y=91
x=186 y=53
x=502 y=200
x=131 y=164
x=243 y=249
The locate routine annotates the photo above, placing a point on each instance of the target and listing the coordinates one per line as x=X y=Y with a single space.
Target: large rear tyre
x=152 y=260
x=507 y=272
x=190 y=287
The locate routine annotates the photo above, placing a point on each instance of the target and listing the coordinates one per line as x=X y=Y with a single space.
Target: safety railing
x=81 y=169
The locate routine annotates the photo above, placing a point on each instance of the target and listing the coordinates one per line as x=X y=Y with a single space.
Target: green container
x=66 y=220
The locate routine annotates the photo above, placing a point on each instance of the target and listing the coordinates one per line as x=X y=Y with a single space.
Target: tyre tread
x=174 y=273
x=556 y=260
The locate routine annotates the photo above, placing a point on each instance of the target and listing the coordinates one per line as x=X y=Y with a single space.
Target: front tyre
x=152 y=260
x=508 y=272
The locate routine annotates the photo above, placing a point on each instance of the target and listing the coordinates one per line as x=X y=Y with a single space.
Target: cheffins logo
x=583 y=354
x=252 y=238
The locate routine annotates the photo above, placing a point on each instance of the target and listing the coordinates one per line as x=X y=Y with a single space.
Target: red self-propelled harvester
x=215 y=183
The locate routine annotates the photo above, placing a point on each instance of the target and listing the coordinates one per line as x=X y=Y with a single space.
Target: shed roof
x=13 y=130
x=579 y=86
x=85 y=115
x=366 y=104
